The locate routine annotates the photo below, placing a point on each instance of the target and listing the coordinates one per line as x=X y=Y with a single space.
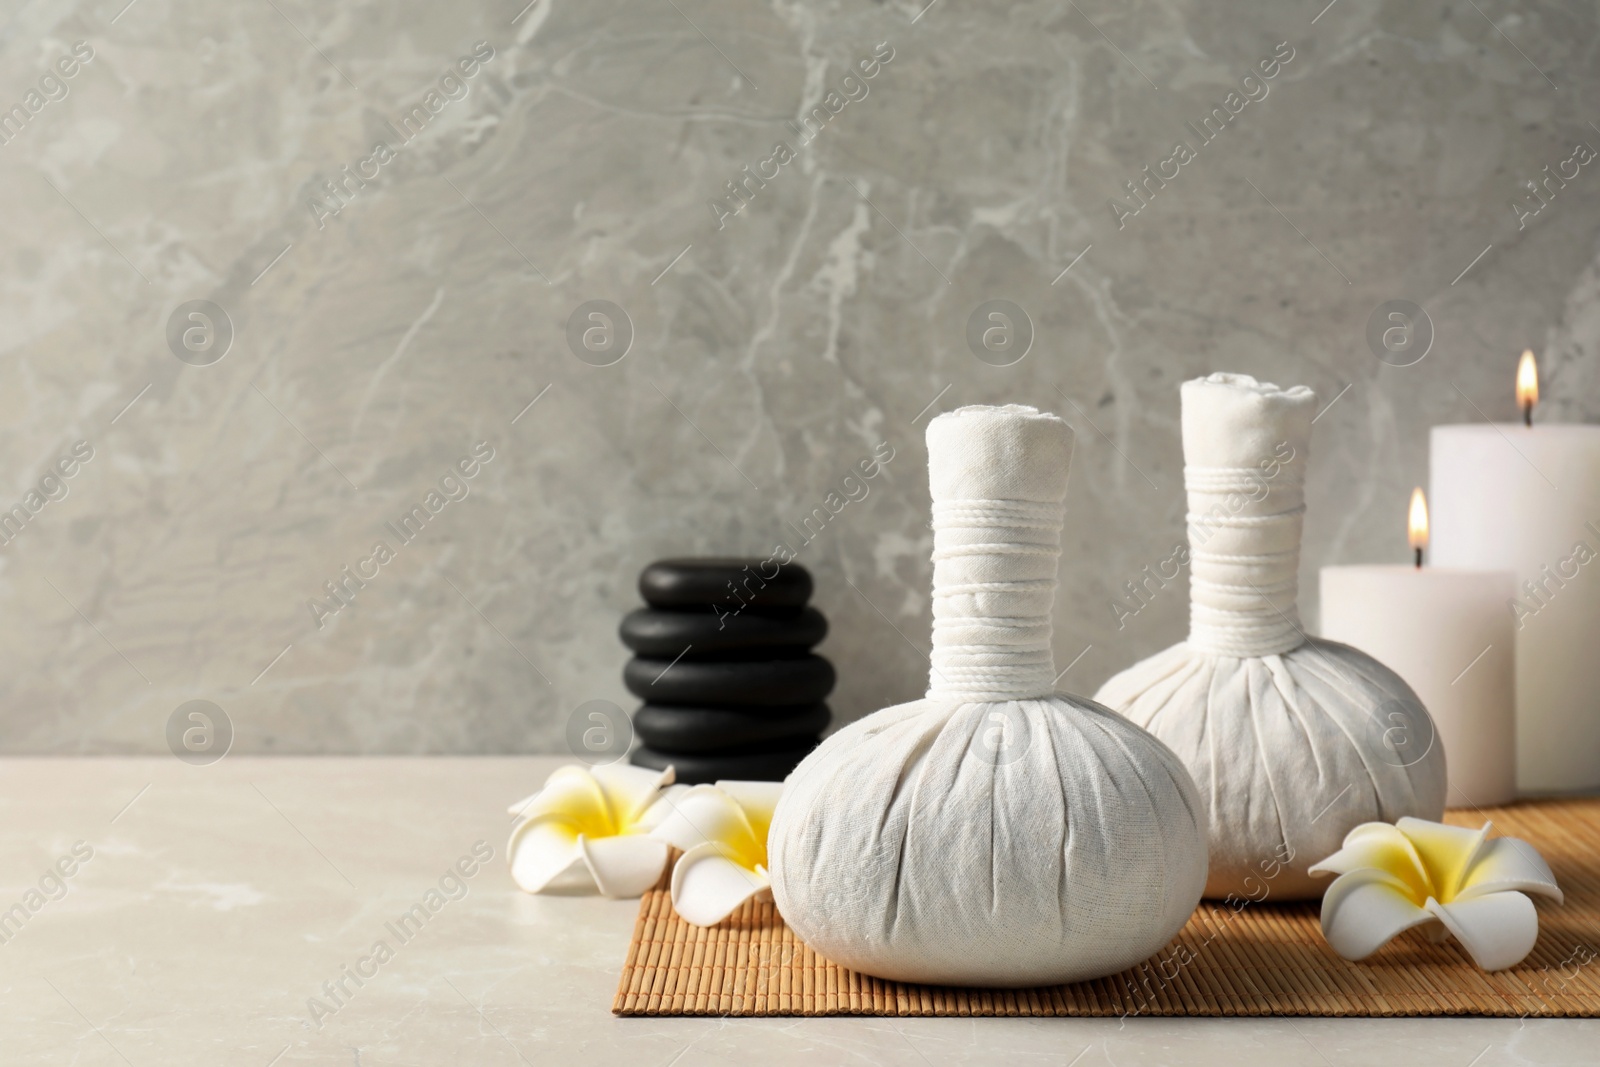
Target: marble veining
x=388 y=311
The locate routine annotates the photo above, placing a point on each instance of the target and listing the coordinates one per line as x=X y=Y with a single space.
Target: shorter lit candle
x=1448 y=634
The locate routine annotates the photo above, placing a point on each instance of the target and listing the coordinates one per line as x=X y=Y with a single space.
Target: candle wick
x=1419 y=559
x=1527 y=414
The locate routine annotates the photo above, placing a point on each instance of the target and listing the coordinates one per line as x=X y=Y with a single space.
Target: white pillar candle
x=1526 y=499
x=1448 y=634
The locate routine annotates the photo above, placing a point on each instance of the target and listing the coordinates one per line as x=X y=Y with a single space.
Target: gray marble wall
x=273 y=336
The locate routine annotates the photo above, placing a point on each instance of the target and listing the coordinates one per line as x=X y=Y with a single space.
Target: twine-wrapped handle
x=1244 y=447
x=998 y=477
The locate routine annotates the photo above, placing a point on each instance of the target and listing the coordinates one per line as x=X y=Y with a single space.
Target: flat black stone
x=665 y=634
x=698 y=768
x=717 y=730
x=763 y=683
x=703 y=583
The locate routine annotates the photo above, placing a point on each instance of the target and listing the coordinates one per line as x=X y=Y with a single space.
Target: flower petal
x=572 y=791
x=625 y=865
x=1446 y=851
x=758 y=800
x=1366 y=845
x=1508 y=863
x=1498 y=929
x=1380 y=846
x=1364 y=909
x=659 y=809
x=707 y=886
x=541 y=850
x=629 y=790
x=706 y=814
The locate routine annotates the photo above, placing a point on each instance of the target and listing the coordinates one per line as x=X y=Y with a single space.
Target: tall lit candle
x=1525 y=497
x=1448 y=634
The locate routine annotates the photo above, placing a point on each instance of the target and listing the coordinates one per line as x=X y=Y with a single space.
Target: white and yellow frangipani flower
x=722 y=830
x=595 y=818
x=1447 y=879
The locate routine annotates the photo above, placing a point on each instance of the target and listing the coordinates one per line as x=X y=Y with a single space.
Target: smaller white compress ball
x=995 y=832
x=1293 y=741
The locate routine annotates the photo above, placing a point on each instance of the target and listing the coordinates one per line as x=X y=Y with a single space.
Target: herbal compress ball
x=1293 y=741
x=995 y=832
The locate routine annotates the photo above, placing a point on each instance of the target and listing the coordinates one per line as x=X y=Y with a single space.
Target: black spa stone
x=704 y=583
x=772 y=765
x=713 y=730
x=749 y=634
x=755 y=683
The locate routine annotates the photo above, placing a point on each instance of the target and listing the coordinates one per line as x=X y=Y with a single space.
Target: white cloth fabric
x=995 y=832
x=1292 y=742
x=1244 y=446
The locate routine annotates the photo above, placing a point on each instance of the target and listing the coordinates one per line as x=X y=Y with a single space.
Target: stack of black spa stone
x=723 y=663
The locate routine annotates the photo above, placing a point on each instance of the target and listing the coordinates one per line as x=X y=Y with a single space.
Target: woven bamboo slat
x=1263 y=959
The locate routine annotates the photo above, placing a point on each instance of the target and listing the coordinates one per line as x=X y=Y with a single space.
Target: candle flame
x=1417 y=522
x=1527 y=381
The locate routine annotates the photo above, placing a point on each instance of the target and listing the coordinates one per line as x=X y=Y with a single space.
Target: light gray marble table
x=218 y=901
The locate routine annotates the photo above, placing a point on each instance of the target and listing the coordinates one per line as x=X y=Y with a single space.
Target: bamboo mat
x=1265 y=959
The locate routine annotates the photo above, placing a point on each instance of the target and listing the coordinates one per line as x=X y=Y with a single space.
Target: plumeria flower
x=722 y=830
x=597 y=819
x=1447 y=879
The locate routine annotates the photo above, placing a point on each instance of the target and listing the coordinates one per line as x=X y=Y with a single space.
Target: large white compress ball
x=1292 y=741
x=995 y=832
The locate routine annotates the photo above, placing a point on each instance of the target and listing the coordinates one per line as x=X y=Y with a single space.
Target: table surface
x=218 y=901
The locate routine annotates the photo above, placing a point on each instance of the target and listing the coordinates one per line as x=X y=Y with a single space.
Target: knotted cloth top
x=998 y=477
x=1245 y=445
